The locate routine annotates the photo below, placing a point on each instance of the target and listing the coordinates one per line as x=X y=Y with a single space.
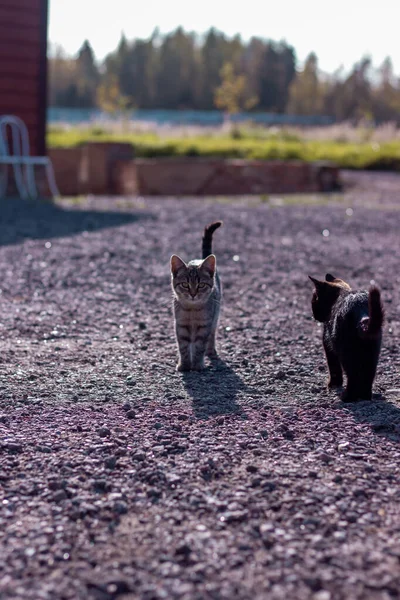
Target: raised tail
x=207 y=238
x=370 y=327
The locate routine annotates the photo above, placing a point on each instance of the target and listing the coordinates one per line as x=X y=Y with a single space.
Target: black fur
x=352 y=334
x=207 y=238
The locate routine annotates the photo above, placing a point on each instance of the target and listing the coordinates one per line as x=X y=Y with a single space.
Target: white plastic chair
x=15 y=152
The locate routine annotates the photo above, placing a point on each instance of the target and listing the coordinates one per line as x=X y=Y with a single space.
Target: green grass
x=241 y=144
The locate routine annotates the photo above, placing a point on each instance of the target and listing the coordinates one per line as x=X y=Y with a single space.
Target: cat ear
x=177 y=264
x=339 y=282
x=318 y=284
x=209 y=264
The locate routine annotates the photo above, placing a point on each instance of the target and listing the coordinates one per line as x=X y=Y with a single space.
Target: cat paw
x=199 y=367
x=335 y=382
x=348 y=397
x=182 y=367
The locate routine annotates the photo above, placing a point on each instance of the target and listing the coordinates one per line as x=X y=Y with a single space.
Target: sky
x=340 y=32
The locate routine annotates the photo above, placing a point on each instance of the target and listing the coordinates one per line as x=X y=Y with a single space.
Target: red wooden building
x=23 y=65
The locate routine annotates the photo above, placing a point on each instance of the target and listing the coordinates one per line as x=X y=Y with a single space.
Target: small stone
x=104 y=432
x=116 y=588
x=356 y=456
x=232 y=516
x=130 y=380
x=121 y=508
x=127 y=406
x=13 y=447
x=343 y=446
x=138 y=455
x=314 y=583
x=44 y=449
x=255 y=482
x=251 y=468
x=54 y=484
x=322 y=595
x=325 y=458
x=281 y=375
x=183 y=550
x=131 y=414
x=110 y=462
x=100 y=485
x=59 y=496
x=154 y=493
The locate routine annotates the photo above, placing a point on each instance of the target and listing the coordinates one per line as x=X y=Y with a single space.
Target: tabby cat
x=352 y=334
x=197 y=298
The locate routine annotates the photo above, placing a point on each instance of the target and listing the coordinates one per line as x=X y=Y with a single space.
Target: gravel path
x=120 y=478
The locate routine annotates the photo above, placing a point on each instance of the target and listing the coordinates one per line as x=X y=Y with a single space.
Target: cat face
x=325 y=295
x=193 y=283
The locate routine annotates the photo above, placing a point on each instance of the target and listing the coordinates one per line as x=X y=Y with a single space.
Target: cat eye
x=185 y=285
x=201 y=285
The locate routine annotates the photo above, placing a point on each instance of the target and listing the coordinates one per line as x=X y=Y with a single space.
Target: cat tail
x=207 y=238
x=370 y=327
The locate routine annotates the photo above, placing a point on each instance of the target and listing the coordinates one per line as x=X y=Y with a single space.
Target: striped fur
x=197 y=299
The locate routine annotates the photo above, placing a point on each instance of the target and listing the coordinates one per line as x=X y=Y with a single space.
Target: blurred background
x=170 y=64
x=289 y=81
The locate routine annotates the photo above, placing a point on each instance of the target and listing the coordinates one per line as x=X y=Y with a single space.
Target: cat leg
x=368 y=364
x=335 y=368
x=365 y=390
x=183 y=339
x=199 y=349
x=351 y=393
x=210 y=350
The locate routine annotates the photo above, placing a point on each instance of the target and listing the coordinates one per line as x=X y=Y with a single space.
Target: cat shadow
x=380 y=413
x=214 y=390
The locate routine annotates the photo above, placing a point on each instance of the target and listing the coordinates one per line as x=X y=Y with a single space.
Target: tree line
x=181 y=70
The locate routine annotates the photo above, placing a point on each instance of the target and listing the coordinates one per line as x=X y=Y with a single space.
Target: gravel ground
x=120 y=478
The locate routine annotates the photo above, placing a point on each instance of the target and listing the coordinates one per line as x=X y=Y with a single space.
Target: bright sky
x=340 y=32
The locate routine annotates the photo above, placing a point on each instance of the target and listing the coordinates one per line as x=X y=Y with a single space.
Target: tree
x=87 y=76
x=276 y=72
x=351 y=98
x=109 y=97
x=176 y=71
x=230 y=96
x=386 y=95
x=305 y=92
x=183 y=71
x=213 y=55
x=62 y=79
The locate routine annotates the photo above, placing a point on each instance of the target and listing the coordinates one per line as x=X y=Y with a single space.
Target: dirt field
x=120 y=478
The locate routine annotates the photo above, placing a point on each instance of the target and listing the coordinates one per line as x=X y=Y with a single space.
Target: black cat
x=352 y=334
